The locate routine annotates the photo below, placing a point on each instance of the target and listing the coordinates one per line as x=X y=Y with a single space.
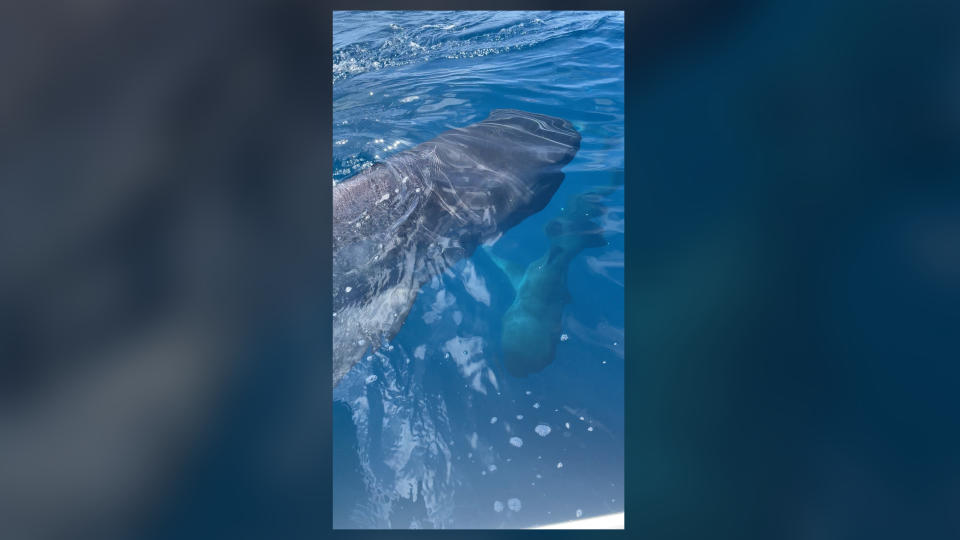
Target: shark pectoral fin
x=513 y=271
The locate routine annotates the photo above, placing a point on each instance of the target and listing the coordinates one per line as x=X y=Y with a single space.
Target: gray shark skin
x=401 y=222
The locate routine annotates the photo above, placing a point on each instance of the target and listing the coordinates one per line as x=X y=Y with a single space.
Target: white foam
x=464 y=350
x=477 y=384
x=475 y=285
x=493 y=379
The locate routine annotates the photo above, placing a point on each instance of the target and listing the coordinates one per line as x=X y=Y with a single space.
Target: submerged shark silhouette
x=532 y=323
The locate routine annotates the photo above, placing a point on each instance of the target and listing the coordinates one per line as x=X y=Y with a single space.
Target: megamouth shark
x=403 y=221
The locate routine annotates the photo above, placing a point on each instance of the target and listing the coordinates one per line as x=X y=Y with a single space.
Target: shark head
x=401 y=222
x=503 y=169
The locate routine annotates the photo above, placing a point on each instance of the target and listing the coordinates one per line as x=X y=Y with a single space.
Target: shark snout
x=546 y=128
x=562 y=126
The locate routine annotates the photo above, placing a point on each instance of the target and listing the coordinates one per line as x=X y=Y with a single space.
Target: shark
x=531 y=325
x=403 y=221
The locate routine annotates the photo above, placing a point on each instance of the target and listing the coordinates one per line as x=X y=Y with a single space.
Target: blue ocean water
x=430 y=431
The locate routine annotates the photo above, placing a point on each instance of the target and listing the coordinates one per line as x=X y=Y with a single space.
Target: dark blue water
x=431 y=431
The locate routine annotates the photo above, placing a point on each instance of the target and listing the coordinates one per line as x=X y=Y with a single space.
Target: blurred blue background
x=791 y=241
x=794 y=275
